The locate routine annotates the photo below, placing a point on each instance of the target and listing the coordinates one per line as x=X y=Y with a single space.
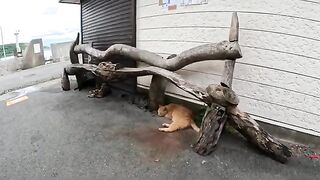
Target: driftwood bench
x=221 y=100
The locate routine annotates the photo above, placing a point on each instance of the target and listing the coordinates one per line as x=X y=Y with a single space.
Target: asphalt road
x=65 y=135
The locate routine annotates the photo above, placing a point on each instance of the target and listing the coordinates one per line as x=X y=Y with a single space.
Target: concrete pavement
x=65 y=135
x=31 y=76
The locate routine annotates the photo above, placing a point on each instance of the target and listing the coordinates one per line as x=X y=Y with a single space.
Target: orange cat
x=181 y=117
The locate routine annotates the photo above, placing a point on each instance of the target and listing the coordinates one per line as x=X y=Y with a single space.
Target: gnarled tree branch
x=212 y=94
x=123 y=73
x=214 y=51
x=256 y=135
x=215 y=118
x=221 y=100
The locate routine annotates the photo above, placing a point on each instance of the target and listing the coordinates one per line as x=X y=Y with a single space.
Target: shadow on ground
x=67 y=135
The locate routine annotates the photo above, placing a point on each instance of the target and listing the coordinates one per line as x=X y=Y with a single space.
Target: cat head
x=162 y=111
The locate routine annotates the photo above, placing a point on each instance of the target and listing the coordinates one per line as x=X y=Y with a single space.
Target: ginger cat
x=181 y=118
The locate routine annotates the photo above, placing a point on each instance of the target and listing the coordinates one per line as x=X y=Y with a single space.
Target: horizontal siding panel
x=277 y=78
x=281 y=114
x=291 y=8
x=261 y=92
x=142 y=3
x=251 y=105
x=270 y=94
x=267 y=59
x=175 y=48
x=166 y=46
x=264 y=40
x=267 y=76
x=256 y=22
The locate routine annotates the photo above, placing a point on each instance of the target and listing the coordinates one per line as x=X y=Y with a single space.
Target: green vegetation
x=10 y=49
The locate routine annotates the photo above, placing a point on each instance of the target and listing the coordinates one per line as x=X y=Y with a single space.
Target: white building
x=278 y=78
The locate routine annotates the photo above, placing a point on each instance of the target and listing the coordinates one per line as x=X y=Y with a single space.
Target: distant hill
x=10 y=48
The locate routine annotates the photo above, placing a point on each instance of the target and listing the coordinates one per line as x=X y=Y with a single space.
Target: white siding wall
x=278 y=78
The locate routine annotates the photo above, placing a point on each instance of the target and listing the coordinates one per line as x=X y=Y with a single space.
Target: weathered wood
x=212 y=122
x=65 y=82
x=229 y=65
x=90 y=59
x=234 y=29
x=80 y=74
x=221 y=100
x=257 y=136
x=75 y=60
x=214 y=51
x=227 y=75
x=212 y=94
x=246 y=125
x=211 y=127
x=222 y=95
x=157 y=90
x=108 y=75
x=102 y=89
x=74 y=56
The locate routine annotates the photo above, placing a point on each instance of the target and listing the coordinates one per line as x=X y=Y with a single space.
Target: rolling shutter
x=108 y=22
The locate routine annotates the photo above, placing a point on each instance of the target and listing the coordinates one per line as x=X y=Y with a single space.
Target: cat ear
x=224 y=85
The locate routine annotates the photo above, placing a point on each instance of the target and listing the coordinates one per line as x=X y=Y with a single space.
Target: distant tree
x=10 y=48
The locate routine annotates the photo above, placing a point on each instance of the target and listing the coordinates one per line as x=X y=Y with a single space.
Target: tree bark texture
x=123 y=73
x=257 y=136
x=224 y=96
x=211 y=128
x=221 y=100
x=214 y=51
x=157 y=92
x=213 y=122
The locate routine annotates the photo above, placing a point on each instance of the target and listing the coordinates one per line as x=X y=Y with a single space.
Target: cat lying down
x=181 y=118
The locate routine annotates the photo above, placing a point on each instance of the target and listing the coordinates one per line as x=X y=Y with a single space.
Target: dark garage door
x=108 y=22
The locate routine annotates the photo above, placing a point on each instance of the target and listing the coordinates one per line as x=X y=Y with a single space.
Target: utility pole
x=3 y=50
x=17 y=41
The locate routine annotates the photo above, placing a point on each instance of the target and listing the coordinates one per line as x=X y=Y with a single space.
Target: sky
x=47 y=19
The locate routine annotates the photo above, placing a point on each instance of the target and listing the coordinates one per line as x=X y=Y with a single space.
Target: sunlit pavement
x=59 y=134
x=31 y=76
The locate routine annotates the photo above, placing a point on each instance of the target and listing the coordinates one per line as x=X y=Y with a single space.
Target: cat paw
x=168 y=130
x=162 y=129
x=165 y=125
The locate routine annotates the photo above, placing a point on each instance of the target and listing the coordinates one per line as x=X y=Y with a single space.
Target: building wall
x=278 y=78
x=60 y=51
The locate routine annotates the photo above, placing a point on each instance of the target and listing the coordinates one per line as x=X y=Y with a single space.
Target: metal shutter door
x=108 y=22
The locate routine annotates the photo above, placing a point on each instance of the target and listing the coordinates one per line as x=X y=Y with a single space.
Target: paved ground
x=32 y=76
x=65 y=135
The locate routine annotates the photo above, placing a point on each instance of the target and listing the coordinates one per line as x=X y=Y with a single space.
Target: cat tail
x=195 y=127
